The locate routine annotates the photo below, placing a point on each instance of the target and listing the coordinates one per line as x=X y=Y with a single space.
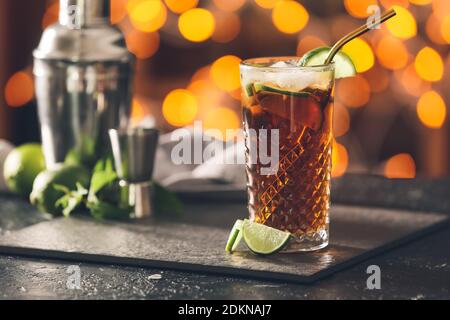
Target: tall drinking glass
x=288 y=113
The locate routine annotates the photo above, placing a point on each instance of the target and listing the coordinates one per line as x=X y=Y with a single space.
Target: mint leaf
x=71 y=200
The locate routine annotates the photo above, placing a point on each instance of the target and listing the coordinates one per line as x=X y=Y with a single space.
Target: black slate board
x=357 y=233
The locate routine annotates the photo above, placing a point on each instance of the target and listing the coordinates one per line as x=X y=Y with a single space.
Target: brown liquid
x=297 y=198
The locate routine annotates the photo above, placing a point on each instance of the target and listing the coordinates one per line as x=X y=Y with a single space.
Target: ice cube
x=280 y=64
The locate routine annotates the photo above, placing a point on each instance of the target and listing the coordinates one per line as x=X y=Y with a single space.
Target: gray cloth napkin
x=213 y=174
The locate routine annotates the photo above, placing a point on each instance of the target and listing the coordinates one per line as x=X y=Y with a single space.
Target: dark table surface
x=419 y=270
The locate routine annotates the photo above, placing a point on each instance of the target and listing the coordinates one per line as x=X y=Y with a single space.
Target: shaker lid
x=83 y=34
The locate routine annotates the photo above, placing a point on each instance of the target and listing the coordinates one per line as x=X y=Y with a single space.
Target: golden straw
x=356 y=33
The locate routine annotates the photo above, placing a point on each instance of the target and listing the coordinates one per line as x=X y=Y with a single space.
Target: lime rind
x=344 y=66
x=235 y=236
x=259 y=87
x=262 y=239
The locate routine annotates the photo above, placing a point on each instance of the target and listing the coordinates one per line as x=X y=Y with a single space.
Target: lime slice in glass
x=259 y=87
x=343 y=63
x=234 y=237
x=262 y=239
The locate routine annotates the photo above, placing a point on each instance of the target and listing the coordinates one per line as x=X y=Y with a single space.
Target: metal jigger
x=134 y=152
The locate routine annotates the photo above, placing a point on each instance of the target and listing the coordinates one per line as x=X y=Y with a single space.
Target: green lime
x=259 y=87
x=235 y=236
x=343 y=63
x=21 y=167
x=45 y=195
x=262 y=239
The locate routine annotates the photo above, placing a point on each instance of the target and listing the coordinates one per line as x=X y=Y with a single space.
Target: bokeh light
x=434 y=23
x=341 y=120
x=411 y=82
x=51 y=15
x=143 y=45
x=147 y=15
x=222 y=119
x=180 y=107
x=118 y=10
x=389 y=3
x=431 y=110
x=138 y=112
x=441 y=7
x=226 y=74
x=392 y=53
x=307 y=43
x=445 y=28
x=353 y=92
x=429 y=65
x=358 y=8
x=378 y=79
x=229 y=5
x=180 y=6
x=19 y=89
x=361 y=54
x=289 y=16
x=228 y=26
x=421 y=2
x=339 y=160
x=197 y=25
x=400 y=166
x=403 y=25
x=267 y=4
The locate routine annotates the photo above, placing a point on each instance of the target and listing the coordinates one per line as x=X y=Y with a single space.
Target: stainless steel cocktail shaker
x=83 y=74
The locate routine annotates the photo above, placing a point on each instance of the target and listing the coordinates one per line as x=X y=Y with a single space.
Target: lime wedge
x=234 y=237
x=259 y=87
x=249 y=90
x=262 y=239
x=316 y=57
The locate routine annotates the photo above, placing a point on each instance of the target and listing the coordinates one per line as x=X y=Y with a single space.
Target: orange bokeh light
x=361 y=54
x=51 y=15
x=228 y=27
x=197 y=25
x=421 y=2
x=339 y=160
x=400 y=166
x=19 y=89
x=434 y=22
x=445 y=28
x=118 y=10
x=267 y=4
x=392 y=53
x=429 y=65
x=441 y=8
x=403 y=25
x=226 y=74
x=229 y=5
x=222 y=119
x=341 y=120
x=180 y=6
x=353 y=92
x=307 y=43
x=147 y=15
x=358 y=8
x=411 y=82
x=144 y=45
x=431 y=110
x=138 y=112
x=180 y=107
x=289 y=16
x=389 y=3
